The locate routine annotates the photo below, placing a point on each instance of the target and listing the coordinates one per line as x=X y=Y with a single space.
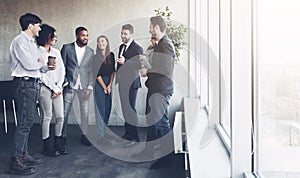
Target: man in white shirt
x=27 y=65
x=77 y=57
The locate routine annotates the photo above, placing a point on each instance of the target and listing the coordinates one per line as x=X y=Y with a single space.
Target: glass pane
x=278 y=99
x=225 y=63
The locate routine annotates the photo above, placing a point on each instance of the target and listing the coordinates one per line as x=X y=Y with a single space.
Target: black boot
x=48 y=149
x=60 y=145
x=17 y=167
x=28 y=160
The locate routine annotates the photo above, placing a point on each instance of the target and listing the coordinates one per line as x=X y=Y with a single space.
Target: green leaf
x=175 y=32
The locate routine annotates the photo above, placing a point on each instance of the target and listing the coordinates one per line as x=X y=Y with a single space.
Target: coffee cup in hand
x=51 y=61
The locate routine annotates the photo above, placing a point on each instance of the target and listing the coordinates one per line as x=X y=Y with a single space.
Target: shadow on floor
x=83 y=161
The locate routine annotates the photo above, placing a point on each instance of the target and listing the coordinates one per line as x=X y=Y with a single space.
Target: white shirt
x=127 y=45
x=24 y=55
x=79 y=54
x=54 y=78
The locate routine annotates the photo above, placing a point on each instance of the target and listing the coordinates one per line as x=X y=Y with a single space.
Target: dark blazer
x=129 y=71
x=69 y=57
x=160 y=76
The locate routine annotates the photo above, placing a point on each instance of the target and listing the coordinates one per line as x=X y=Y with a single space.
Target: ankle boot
x=17 y=167
x=28 y=160
x=48 y=149
x=60 y=145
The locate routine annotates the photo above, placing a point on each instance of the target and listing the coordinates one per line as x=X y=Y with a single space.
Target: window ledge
x=204 y=160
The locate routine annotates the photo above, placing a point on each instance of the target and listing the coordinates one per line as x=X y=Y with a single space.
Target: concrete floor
x=82 y=161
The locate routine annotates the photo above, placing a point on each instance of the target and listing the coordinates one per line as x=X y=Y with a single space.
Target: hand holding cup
x=51 y=62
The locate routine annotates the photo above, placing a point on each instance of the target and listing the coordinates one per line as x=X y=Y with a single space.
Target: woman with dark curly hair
x=51 y=91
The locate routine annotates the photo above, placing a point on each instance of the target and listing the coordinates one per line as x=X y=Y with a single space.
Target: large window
x=278 y=86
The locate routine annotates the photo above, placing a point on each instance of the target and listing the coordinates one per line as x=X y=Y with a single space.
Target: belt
x=47 y=86
x=29 y=79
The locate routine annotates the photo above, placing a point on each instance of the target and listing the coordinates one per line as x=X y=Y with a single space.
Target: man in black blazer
x=160 y=90
x=77 y=57
x=128 y=65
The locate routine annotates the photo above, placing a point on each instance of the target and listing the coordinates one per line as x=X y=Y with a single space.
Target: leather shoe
x=85 y=141
x=126 y=137
x=18 y=167
x=28 y=160
x=131 y=143
x=52 y=153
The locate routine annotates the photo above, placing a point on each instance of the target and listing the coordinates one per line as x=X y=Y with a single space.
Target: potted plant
x=175 y=32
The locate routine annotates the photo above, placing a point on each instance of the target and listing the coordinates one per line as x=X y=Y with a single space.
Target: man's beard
x=153 y=34
x=125 y=40
x=81 y=42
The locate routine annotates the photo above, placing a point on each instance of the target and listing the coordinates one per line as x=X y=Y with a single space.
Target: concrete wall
x=100 y=17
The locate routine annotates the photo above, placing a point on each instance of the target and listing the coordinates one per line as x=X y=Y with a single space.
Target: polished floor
x=83 y=161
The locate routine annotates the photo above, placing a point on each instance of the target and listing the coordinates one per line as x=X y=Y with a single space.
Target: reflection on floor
x=82 y=161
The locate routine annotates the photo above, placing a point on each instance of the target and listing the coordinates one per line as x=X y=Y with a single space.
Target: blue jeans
x=26 y=102
x=103 y=106
x=68 y=95
x=157 y=110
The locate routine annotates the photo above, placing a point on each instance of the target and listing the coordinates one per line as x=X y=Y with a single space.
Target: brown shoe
x=17 y=167
x=28 y=160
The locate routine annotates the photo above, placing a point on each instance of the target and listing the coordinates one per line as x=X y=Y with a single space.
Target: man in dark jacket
x=129 y=82
x=160 y=90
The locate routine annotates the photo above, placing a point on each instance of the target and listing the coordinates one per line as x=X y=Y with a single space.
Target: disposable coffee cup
x=51 y=61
